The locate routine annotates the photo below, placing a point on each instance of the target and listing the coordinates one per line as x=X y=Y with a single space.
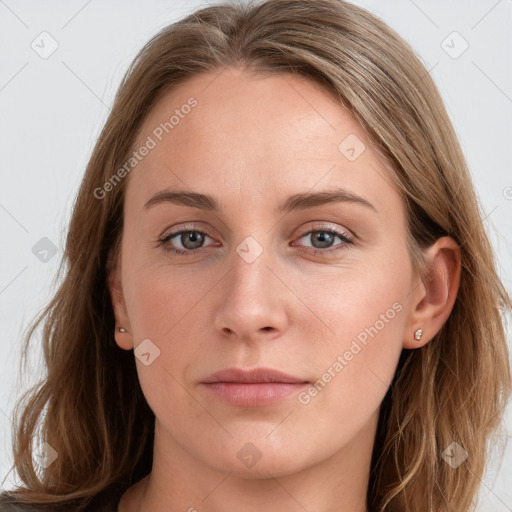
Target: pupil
x=192 y=240
x=324 y=238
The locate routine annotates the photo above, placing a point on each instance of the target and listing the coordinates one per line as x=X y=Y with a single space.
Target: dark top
x=105 y=501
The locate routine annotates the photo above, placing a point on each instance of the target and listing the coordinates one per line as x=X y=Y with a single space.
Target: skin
x=252 y=141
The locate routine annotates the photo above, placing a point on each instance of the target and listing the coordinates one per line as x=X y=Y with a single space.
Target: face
x=296 y=261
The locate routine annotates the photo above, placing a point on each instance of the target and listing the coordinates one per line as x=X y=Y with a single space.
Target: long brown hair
x=90 y=407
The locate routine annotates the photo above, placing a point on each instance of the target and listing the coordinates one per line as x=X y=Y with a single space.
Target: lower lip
x=255 y=394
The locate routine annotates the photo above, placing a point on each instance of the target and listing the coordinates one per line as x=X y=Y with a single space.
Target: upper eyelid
x=307 y=230
x=326 y=227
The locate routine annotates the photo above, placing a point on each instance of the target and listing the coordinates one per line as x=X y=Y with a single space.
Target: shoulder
x=105 y=501
x=9 y=503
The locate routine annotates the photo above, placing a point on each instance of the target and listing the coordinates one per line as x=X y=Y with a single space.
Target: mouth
x=252 y=388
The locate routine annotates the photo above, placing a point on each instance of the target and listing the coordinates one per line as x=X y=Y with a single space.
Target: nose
x=253 y=301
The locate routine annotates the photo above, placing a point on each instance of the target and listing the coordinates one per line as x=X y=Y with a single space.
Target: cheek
x=365 y=305
x=159 y=297
x=167 y=307
x=162 y=306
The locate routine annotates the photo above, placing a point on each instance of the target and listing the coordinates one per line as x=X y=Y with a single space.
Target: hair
x=89 y=406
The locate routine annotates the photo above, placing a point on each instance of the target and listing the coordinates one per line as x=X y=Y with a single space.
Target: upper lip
x=252 y=376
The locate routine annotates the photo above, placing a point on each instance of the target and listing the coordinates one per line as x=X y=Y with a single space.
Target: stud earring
x=122 y=329
x=417 y=334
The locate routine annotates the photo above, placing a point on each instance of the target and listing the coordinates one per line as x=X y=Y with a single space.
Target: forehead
x=234 y=130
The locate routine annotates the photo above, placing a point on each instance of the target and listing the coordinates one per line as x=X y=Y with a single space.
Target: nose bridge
x=250 y=261
x=252 y=301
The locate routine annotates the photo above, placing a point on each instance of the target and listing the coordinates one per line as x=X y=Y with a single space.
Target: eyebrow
x=294 y=202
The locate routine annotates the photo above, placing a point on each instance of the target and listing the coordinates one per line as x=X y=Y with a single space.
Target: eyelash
x=165 y=241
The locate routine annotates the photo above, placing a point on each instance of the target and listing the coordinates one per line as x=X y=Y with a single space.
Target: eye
x=323 y=239
x=191 y=241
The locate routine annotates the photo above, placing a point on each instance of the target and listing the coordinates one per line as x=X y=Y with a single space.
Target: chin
x=259 y=458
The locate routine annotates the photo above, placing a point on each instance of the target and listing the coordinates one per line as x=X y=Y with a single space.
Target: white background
x=52 y=111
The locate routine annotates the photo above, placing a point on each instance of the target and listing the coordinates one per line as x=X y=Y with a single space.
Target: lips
x=252 y=388
x=256 y=375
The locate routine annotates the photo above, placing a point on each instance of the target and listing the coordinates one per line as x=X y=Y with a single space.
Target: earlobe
x=122 y=332
x=434 y=300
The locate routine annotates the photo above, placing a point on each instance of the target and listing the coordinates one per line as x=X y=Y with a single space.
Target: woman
x=279 y=293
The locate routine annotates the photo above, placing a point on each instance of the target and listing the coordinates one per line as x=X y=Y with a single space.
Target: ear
x=123 y=339
x=433 y=299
